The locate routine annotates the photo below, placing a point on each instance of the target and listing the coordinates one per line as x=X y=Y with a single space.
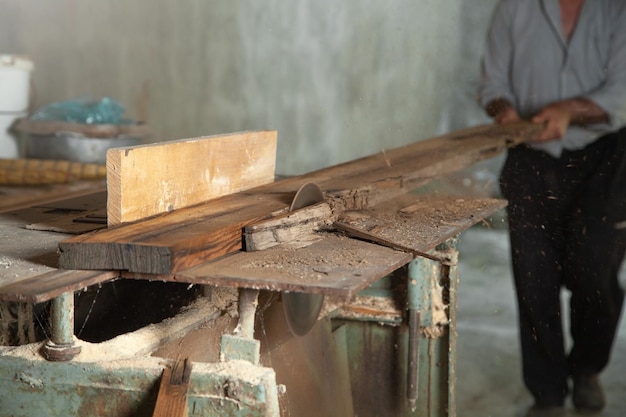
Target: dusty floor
x=489 y=381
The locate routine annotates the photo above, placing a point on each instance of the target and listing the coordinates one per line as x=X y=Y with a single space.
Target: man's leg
x=595 y=250
x=536 y=236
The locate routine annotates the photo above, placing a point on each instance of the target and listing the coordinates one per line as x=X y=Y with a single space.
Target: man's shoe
x=545 y=411
x=588 y=394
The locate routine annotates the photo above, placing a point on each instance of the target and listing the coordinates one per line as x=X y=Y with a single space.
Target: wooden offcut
x=172 y=397
x=192 y=236
x=297 y=228
x=146 y=180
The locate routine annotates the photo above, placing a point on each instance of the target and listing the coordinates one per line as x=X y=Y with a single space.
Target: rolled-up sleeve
x=495 y=80
x=611 y=95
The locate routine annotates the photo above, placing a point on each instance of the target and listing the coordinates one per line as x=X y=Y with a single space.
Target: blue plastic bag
x=86 y=111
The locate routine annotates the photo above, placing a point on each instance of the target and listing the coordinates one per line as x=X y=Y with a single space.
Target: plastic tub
x=75 y=146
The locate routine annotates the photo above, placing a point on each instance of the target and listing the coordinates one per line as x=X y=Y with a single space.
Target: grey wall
x=337 y=79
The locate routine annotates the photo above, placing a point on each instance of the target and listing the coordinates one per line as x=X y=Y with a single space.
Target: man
x=562 y=63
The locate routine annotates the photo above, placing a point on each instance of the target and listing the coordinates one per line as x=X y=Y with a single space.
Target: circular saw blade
x=302 y=309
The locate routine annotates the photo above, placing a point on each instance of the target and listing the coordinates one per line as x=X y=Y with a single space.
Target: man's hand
x=502 y=112
x=556 y=117
x=559 y=115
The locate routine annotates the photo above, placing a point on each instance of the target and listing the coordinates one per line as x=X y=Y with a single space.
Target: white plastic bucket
x=9 y=146
x=14 y=83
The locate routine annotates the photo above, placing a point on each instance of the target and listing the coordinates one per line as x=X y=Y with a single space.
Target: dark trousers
x=565 y=227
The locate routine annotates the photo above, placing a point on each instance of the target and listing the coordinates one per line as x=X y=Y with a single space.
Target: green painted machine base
x=38 y=388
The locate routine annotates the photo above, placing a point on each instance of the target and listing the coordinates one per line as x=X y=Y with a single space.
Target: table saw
x=332 y=293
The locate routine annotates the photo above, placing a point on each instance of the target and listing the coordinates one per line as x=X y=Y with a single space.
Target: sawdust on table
x=310 y=262
x=414 y=221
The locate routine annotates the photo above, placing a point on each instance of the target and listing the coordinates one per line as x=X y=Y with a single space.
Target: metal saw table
x=384 y=344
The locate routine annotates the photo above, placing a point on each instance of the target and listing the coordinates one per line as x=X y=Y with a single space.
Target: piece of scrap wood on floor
x=172 y=396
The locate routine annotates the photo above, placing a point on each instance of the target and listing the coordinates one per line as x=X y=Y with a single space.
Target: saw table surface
x=339 y=265
x=29 y=257
x=335 y=265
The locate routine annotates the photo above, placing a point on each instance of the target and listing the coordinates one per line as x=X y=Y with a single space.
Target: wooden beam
x=146 y=180
x=195 y=235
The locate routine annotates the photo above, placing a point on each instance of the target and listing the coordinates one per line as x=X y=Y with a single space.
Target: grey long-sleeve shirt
x=529 y=62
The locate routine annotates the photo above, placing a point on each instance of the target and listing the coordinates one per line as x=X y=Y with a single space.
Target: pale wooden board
x=146 y=180
x=334 y=265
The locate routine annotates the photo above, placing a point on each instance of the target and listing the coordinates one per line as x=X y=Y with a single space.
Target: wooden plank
x=172 y=396
x=334 y=265
x=173 y=242
x=191 y=236
x=14 y=197
x=44 y=287
x=73 y=223
x=146 y=180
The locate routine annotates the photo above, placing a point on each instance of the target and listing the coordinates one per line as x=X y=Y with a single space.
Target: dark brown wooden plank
x=171 y=242
x=187 y=237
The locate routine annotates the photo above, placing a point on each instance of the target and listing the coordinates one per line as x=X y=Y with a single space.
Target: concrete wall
x=337 y=79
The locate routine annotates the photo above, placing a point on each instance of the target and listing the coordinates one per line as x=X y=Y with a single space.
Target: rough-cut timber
x=146 y=180
x=296 y=228
x=191 y=236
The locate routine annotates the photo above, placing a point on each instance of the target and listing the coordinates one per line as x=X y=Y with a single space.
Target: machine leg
x=241 y=344
x=60 y=346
